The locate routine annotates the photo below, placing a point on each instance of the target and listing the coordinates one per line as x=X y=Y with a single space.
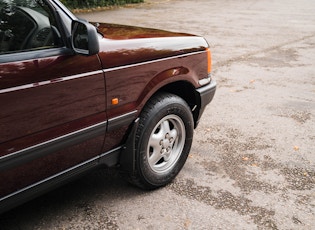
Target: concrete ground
x=252 y=163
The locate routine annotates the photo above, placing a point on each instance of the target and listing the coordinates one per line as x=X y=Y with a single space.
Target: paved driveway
x=252 y=164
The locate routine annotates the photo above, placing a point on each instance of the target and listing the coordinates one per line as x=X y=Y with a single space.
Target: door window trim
x=34 y=54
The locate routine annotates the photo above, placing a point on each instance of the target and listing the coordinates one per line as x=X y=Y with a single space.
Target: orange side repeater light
x=115 y=101
x=209 y=60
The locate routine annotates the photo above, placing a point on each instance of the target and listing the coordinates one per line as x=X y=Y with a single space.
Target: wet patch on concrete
x=224 y=200
x=279 y=57
x=299 y=178
x=299 y=116
x=246 y=163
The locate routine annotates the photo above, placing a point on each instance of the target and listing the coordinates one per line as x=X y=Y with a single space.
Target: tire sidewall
x=165 y=105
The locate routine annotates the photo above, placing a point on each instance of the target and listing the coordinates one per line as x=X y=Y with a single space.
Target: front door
x=52 y=103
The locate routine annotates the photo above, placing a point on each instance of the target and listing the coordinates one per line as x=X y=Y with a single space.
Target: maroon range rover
x=75 y=96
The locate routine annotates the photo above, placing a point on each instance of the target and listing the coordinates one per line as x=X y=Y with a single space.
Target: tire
x=163 y=141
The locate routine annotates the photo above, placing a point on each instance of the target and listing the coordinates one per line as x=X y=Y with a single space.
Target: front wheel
x=163 y=140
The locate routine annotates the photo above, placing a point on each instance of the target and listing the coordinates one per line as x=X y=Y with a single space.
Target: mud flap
x=127 y=157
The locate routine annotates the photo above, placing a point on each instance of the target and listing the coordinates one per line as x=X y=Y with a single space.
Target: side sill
x=110 y=158
x=10 y=201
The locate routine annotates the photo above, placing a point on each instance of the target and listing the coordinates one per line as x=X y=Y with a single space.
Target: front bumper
x=205 y=94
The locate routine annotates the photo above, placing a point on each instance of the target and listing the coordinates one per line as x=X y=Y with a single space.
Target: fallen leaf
x=187 y=223
x=245 y=158
x=296 y=148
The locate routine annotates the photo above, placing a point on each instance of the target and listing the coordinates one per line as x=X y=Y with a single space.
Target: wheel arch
x=183 y=89
x=186 y=91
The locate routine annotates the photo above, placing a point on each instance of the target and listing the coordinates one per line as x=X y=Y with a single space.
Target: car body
x=76 y=96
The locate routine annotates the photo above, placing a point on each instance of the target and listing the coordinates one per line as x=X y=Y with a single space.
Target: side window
x=27 y=25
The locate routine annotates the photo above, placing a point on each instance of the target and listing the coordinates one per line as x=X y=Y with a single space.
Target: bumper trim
x=206 y=94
